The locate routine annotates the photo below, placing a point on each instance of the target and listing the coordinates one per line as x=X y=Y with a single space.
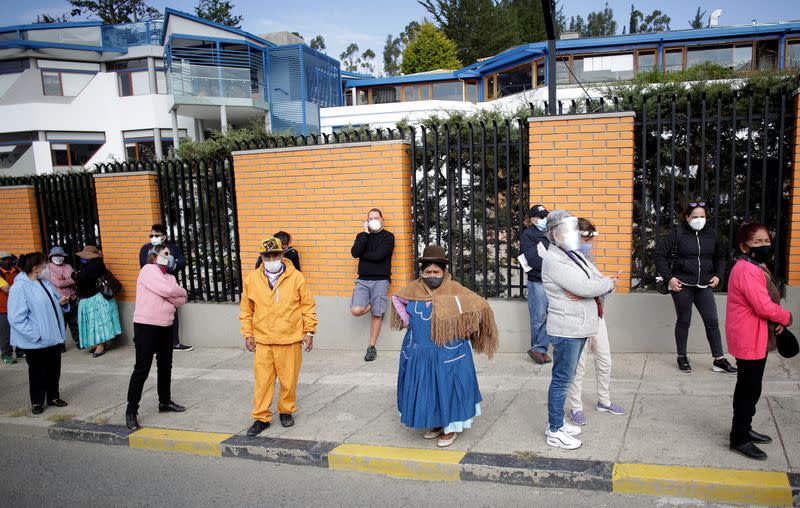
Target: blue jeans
x=566 y=353
x=537 y=307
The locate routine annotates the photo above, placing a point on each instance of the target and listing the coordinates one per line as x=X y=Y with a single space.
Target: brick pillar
x=127 y=205
x=20 y=220
x=584 y=164
x=793 y=247
x=320 y=195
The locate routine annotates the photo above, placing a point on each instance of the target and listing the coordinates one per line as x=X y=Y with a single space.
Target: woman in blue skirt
x=98 y=316
x=437 y=387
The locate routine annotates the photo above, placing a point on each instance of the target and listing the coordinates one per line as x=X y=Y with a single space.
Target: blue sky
x=367 y=23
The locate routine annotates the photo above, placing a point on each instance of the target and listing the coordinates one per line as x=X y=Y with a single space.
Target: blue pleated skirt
x=98 y=320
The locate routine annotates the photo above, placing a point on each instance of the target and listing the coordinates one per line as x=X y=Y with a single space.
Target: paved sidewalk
x=673 y=418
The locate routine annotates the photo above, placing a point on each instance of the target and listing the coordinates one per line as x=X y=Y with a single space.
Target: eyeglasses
x=699 y=203
x=589 y=234
x=156 y=236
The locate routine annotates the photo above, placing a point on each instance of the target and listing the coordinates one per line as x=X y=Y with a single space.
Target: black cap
x=538 y=211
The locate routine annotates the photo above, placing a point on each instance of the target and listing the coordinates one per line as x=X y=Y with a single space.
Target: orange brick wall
x=127 y=205
x=20 y=220
x=793 y=266
x=584 y=164
x=320 y=195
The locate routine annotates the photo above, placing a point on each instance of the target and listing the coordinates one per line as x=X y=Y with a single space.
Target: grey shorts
x=371 y=292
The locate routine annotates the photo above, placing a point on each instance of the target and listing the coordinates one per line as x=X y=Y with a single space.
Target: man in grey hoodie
x=573 y=286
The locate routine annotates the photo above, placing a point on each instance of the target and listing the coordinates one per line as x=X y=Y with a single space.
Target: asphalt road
x=38 y=472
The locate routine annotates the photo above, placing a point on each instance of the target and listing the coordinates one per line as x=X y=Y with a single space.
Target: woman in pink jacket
x=157 y=296
x=61 y=277
x=750 y=314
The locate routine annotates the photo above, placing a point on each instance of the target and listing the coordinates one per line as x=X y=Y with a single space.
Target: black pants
x=151 y=339
x=745 y=398
x=71 y=318
x=175 y=333
x=703 y=299
x=44 y=372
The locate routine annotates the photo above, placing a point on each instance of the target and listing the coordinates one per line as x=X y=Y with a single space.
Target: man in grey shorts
x=373 y=247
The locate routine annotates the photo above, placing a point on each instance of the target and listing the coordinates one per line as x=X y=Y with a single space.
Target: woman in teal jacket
x=36 y=316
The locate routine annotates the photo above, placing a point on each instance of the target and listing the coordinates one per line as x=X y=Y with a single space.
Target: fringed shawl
x=457 y=313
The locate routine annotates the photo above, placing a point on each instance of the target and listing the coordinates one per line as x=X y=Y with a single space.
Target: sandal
x=447 y=441
x=433 y=433
x=98 y=355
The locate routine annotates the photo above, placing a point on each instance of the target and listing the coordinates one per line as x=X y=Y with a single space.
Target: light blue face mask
x=542 y=224
x=585 y=248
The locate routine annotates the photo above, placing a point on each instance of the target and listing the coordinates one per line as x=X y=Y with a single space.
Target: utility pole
x=549 y=11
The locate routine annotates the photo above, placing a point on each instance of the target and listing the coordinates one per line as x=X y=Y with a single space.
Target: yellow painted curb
x=182 y=441
x=725 y=485
x=414 y=463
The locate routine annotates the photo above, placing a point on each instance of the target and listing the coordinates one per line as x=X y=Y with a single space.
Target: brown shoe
x=540 y=358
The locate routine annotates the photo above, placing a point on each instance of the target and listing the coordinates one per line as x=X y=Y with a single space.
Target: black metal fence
x=198 y=208
x=470 y=195
x=67 y=207
x=732 y=152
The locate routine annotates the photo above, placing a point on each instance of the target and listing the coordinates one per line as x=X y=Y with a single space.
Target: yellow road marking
x=415 y=463
x=182 y=441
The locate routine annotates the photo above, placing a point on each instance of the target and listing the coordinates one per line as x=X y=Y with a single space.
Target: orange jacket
x=279 y=315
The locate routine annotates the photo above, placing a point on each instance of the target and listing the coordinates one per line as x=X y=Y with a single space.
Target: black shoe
x=683 y=364
x=182 y=347
x=37 y=409
x=132 y=421
x=57 y=403
x=372 y=353
x=759 y=438
x=723 y=365
x=257 y=428
x=750 y=451
x=171 y=407
x=286 y=420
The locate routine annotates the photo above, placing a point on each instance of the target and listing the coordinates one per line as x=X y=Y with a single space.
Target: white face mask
x=698 y=223
x=58 y=260
x=156 y=241
x=162 y=260
x=374 y=225
x=45 y=274
x=571 y=240
x=273 y=266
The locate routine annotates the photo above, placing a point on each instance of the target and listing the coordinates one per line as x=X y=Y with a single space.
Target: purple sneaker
x=611 y=408
x=577 y=417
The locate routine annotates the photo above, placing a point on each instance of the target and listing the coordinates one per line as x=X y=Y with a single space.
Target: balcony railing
x=138 y=33
x=214 y=82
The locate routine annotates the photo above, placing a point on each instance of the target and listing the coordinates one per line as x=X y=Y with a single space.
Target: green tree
x=394 y=47
x=47 y=18
x=430 y=50
x=114 y=11
x=349 y=58
x=528 y=20
x=576 y=24
x=366 y=64
x=318 y=43
x=601 y=23
x=634 y=20
x=697 y=22
x=656 y=21
x=561 y=19
x=219 y=11
x=479 y=28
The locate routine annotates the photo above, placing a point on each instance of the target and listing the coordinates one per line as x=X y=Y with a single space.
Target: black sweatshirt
x=693 y=257
x=374 y=253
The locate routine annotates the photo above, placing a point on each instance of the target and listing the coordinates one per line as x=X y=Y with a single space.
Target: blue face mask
x=585 y=248
x=84 y=261
x=542 y=224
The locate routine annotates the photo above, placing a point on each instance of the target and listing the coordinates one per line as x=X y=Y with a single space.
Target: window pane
x=424 y=92
x=13 y=66
x=141 y=83
x=673 y=60
x=734 y=58
x=125 y=86
x=362 y=97
x=384 y=95
x=767 y=54
x=490 y=87
x=348 y=97
x=161 y=82
x=592 y=69
x=51 y=83
x=540 y=74
x=562 y=72
x=793 y=54
x=80 y=153
x=515 y=80
x=10 y=154
x=59 y=154
x=130 y=151
x=451 y=91
x=647 y=61
x=472 y=92
x=408 y=94
x=140 y=63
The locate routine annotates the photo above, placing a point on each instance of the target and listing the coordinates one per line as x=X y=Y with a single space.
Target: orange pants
x=271 y=361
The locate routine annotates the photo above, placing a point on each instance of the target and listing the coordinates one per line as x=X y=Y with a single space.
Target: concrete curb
x=720 y=485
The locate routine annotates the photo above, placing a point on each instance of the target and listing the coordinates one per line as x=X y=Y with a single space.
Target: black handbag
x=787 y=344
x=108 y=285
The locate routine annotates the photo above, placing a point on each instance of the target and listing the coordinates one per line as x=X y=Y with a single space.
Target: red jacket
x=9 y=277
x=748 y=310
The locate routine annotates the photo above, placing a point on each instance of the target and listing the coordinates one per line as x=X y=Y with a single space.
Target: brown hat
x=89 y=252
x=434 y=254
x=271 y=246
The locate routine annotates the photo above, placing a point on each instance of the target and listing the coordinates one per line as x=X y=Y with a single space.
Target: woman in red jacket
x=750 y=315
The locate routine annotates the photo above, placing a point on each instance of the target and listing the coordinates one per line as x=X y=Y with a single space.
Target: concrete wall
x=641 y=322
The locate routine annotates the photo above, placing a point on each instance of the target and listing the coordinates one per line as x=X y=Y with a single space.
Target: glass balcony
x=138 y=33
x=203 y=84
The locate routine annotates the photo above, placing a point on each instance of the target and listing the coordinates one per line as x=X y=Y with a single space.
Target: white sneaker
x=572 y=430
x=560 y=439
